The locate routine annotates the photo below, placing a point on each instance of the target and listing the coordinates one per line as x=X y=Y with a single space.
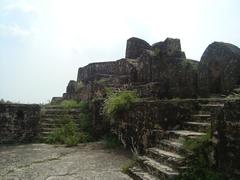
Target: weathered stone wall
x=99 y=124
x=228 y=139
x=96 y=71
x=135 y=47
x=145 y=123
x=176 y=77
x=18 y=123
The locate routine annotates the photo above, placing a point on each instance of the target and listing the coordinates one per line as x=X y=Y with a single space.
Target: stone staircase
x=54 y=116
x=166 y=159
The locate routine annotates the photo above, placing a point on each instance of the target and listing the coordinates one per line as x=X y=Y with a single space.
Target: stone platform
x=48 y=162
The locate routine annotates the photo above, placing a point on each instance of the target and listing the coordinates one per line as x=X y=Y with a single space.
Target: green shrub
x=111 y=141
x=68 y=134
x=69 y=104
x=199 y=161
x=119 y=102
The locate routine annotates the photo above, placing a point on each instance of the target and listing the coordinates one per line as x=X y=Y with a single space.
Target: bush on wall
x=119 y=102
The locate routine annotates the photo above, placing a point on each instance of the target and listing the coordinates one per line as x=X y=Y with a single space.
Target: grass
x=119 y=102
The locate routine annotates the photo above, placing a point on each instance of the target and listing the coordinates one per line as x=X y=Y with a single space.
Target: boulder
x=135 y=47
x=219 y=69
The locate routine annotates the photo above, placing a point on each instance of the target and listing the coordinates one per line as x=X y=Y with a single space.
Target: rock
x=72 y=86
x=135 y=47
x=56 y=100
x=219 y=69
x=170 y=47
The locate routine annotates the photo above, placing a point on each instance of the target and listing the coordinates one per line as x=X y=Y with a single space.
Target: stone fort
x=179 y=97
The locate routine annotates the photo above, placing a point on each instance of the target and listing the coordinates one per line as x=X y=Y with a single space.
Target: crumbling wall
x=144 y=124
x=228 y=139
x=18 y=123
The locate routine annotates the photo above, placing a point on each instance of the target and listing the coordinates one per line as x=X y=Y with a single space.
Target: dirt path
x=48 y=162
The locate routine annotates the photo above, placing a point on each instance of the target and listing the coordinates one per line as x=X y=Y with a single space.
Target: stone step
x=157 y=169
x=211 y=106
x=183 y=134
x=171 y=146
x=170 y=159
x=57 y=119
x=60 y=112
x=139 y=174
x=50 y=125
x=60 y=116
x=53 y=107
x=197 y=126
x=201 y=117
x=45 y=133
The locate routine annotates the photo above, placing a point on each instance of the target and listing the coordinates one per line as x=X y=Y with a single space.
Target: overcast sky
x=44 y=42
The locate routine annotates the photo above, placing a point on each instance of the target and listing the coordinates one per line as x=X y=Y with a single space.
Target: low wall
x=145 y=124
x=18 y=123
x=228 y=139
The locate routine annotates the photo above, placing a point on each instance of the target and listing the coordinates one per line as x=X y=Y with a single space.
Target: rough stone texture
x=144 y=124
x=96 y=71
x=170 y=47
x=48 y=162
x=219 y=69
x=72 y=86
x=18 y=123
x=228 y=141
x=100 y=127
x=135 y=47
x=162 y=70
x=56 y=100
x=176 y=77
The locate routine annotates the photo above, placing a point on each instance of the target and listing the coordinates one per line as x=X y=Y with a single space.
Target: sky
x=44 y=42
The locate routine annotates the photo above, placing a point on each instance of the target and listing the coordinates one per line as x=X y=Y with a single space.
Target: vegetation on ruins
x=119 y=102
x=199 y=162
x=69 y=133
x=68 y=104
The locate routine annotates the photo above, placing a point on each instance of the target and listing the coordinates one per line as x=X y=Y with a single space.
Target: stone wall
x=18 y=123
x=228 y=139
x=135 y=47
x=145 y=123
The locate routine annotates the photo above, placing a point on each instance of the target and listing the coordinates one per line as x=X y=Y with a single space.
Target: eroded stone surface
x=48 y=162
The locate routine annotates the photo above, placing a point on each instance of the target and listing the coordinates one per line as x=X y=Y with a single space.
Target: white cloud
x=21 y=6
x=15 y=30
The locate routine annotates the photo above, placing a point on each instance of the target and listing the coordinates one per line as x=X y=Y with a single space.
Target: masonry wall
x=18 y=123
x=145 y=124
x=228 y=139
